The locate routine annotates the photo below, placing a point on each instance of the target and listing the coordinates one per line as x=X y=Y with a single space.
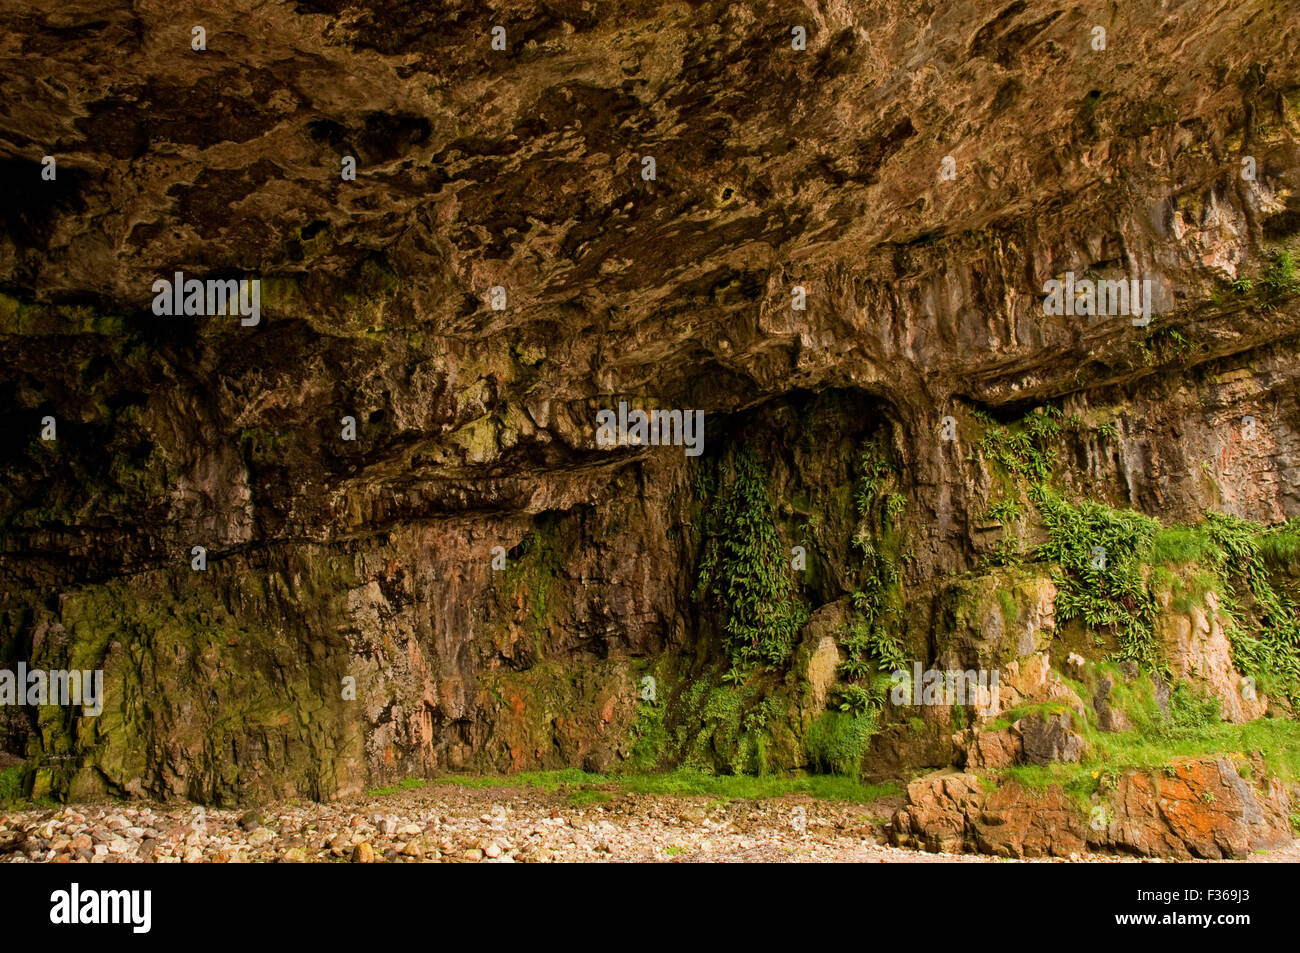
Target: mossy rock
x=987 y=619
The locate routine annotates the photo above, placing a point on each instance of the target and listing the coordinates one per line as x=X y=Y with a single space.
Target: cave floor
x=447 y=822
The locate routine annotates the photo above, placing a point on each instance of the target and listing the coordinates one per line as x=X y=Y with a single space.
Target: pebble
x=439 y=821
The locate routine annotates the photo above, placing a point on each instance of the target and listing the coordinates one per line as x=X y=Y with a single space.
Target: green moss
x=1007 y=603
x=40 y=320
x=1279 y=546
x=166 y=638
x=11 y=786
x=263 y=448
x=1180 y=545
x=838 y=741
x=532 y=573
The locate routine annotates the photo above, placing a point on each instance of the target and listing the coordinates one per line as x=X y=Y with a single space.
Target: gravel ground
x=449 y=823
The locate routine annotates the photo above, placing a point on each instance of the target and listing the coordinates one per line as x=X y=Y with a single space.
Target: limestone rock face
x=1197 y=647
x=1038 y=738
x=1109 y=717
x=1049 y=738
x=1202 y=809
x=991 y=749
x=418 y=556
x=935 y=815
x=1198 y=808
x=999 y=617
x=822 y=635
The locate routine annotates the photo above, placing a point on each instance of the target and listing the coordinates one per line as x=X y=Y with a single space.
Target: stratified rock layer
x=369 y=563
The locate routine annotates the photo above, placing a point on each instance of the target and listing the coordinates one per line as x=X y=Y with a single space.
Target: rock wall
x=475 y=428
x=1198 y=809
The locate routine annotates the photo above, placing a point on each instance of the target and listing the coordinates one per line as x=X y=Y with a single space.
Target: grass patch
x=1192 y=736
x=1279 y=546
x=1179 y=545
x=750 y=787
x=1044 y=709
x=837 y=742
x=585 y=797
x=651 y=737
x=683 y=782
x=1007 y=602
x=406 y=784
x=537 y=780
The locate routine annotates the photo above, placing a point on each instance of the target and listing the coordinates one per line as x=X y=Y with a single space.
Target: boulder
x=990 y=749
x=1194 y=808
x=1049 y=738
x=1199 y=808
x=1005 y=614
x=1016 y=821
x=1109 y=718
x=934 y=817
